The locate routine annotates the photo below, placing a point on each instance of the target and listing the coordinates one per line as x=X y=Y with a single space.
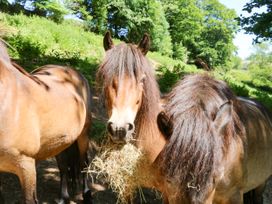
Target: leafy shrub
x=180 y=52
x=169 y=77
x=244 y=83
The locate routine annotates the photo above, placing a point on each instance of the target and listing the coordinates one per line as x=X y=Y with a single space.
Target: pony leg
x=70 y=162
x=62 y=165
x=2 y=200
x=165 y=200
x=87 y=193
x=254 y=196
x=27 y=176
x=83 y=145
x=236 y=198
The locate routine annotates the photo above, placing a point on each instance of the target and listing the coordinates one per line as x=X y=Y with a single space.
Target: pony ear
x=165 y=124
x=223 y=116
x=144 y=44
x=107 y=42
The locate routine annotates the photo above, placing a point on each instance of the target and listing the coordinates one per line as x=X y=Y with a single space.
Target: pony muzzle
x=120 y=133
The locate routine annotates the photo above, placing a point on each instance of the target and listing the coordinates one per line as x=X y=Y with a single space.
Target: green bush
x=245 y=83
x=168 y=77
x=38 y=41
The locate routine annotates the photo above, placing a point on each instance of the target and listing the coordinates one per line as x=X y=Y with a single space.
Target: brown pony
x=132 y=99
x=212 y=147
x=132 y=95
x=41 y=115
x=219 y=145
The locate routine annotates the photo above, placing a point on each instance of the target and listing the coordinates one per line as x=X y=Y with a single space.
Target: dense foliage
x=37 y=41
x=198 y=31
x=259 y=22
x=128 y=20
x=53 y=9
x=206 y=28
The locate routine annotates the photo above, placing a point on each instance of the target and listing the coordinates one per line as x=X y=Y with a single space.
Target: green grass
x=242 y=83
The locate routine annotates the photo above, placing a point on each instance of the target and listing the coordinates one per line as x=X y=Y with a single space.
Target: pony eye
x=114 y=85
x=142 y=79
x=137 y=102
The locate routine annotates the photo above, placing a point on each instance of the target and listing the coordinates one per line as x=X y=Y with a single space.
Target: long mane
x=127 y=59
x=193 y=155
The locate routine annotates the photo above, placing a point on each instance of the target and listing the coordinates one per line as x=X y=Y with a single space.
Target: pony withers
x=133 y=102
x=43 y=114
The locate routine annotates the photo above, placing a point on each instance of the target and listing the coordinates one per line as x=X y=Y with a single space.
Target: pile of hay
x=122 y=168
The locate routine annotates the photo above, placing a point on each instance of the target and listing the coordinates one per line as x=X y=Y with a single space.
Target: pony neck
x=149 y=137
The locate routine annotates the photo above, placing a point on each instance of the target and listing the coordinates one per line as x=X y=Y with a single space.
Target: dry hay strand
x=5 y=30
x=122 y=168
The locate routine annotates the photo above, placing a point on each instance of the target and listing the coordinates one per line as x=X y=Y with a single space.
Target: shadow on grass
x=47 y=184
x=261 y=88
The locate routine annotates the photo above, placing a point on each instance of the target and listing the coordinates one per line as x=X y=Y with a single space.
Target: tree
x=128 y=20
x=53 y=9
x=258 y=23
x=260 y=65
x=205 y=27
x=4 y=2
x=8 y=7
x=219 y=26
x=92 y=12
x=185 y=21
x=151 y=20
x=80 y=8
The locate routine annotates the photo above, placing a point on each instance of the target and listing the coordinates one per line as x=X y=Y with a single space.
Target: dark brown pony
x=43 y=114
x=219 y=145
x=205 y=151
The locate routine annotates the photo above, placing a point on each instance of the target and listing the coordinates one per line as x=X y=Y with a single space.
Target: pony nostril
x=110 y=128
x=121 y=132
x=130 y=127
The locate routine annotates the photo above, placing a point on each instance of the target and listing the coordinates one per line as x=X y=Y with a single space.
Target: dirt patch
x=48 y=187
x=47 y=184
